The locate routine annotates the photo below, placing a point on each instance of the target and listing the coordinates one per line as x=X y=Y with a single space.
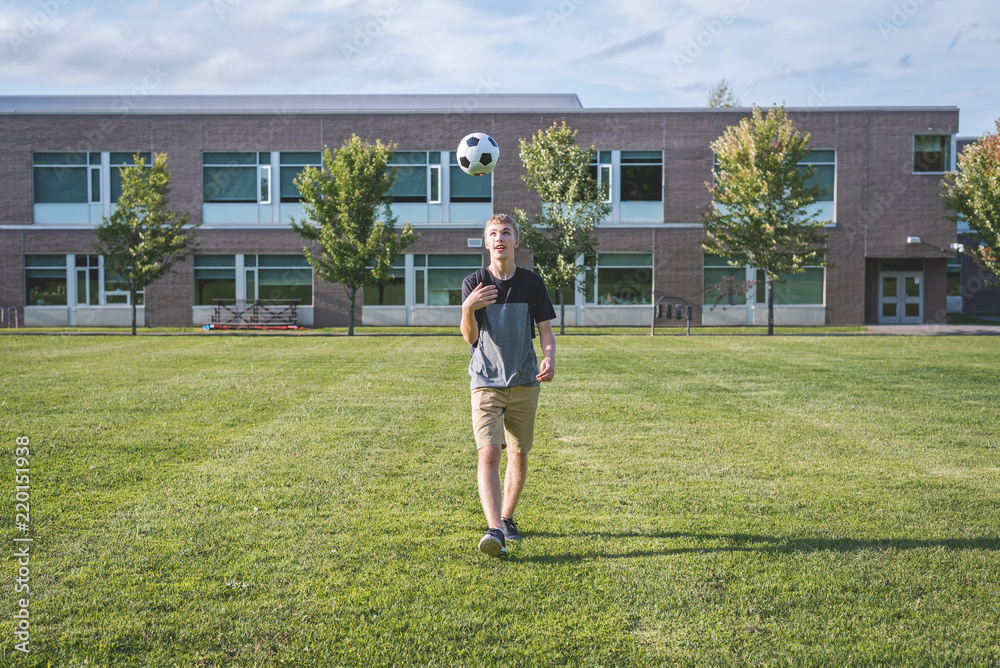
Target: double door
x=901 y=297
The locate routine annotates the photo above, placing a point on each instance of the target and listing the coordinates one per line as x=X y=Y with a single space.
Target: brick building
x=233 y=159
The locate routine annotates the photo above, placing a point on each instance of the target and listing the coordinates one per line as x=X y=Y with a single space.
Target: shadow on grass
x=748 y=543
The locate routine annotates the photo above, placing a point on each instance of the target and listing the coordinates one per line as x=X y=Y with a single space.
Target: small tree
x=572 y=207
x=347 y=213
x=723 y=96
x=760 y=198
x=973 y=193
x=142 y=239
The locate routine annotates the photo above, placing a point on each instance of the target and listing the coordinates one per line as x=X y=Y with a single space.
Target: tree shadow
x=738 y=542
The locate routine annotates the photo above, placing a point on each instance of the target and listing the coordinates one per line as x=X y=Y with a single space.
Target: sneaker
x=493 y=543
x=510 y=531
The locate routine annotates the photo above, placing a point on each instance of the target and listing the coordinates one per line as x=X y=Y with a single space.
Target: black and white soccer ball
x=477 y=154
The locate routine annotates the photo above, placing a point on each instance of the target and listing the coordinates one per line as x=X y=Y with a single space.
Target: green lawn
x=261 y=501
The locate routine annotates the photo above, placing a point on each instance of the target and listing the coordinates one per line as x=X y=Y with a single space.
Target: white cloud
x=631 y=53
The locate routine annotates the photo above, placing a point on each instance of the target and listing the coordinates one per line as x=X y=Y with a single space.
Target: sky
x=626 y=53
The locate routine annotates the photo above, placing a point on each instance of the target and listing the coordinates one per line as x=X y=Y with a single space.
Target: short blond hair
x=502 y=219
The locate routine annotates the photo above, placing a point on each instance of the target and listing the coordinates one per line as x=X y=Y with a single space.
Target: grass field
x=225 y=501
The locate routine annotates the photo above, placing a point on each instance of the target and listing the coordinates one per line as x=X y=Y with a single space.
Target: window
x=932 y=154
x=465 y=188
x=793 y=289
x=236 y=178
x=723 y=283
x=621 y=279
x=67 y=178
x=392 y=293
x=632 y=182
x=642 y=176
x=278 y=279
x=291 y=165
x=45 y=280
x=214 y=278
x=824 y=163
x=954 y=277
x=275 y=279
x=119 y=160
x=438 y=278
x=418 y=177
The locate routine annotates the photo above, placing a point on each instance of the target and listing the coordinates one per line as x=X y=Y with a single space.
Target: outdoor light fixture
x=955 y=246
x=913 y=240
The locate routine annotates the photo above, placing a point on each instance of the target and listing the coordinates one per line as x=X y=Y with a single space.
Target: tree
x=142 y=239
x=347 y=213
x=760 y=198
x=723 y=96
x=572 y=206
x=973 y=193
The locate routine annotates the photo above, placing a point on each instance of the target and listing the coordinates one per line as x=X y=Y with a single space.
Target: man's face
x=500 y=241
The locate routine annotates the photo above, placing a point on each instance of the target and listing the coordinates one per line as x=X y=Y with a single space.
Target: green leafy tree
x=760 y=198
x=572 y=206
x=722 y=95
x=973 y=193
x=142 y=239
x=347 y=214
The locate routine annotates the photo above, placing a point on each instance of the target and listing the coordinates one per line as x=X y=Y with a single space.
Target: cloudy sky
x=627 y=53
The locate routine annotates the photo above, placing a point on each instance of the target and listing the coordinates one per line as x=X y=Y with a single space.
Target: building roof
x=260 y=104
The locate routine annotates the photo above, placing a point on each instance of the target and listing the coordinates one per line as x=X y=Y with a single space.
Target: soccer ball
x=477 y=154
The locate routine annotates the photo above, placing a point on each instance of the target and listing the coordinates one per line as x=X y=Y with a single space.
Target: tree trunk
x=770 y=306
x=381 y=294
x=562 y=313
x=131 y=294
x=350 y=324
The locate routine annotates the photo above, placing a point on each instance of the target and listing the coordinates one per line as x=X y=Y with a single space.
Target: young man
x=500 y=306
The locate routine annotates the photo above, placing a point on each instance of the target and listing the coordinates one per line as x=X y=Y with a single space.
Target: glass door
x=901 y=297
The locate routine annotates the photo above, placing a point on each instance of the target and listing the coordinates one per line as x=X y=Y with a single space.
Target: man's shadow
x=718 y=543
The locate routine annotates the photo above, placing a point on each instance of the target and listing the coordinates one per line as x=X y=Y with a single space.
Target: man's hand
x=480 y=297
x=546 y=370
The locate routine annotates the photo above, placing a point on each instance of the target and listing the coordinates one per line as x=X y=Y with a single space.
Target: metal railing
x=239 y=313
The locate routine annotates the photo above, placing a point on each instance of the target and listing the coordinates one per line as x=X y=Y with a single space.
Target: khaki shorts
x=505 y=416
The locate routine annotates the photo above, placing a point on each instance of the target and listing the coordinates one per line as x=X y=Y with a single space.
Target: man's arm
x=482 y=296
x=547 y=369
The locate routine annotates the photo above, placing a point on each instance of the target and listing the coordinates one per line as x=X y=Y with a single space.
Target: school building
x=233 y=160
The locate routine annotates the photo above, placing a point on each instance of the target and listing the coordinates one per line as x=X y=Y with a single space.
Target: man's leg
x=513 y=485
x=488 y=475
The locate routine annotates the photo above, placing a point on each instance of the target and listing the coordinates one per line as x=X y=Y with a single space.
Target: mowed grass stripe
x=691 y=501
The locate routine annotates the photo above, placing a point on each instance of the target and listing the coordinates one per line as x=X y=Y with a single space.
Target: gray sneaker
x=510 y=531
x=493 y=543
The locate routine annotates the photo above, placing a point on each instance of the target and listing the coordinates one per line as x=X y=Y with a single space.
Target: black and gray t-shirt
x=504 y=356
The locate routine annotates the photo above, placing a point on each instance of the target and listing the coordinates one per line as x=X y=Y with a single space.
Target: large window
x=793 y=289
x=465 y=188
x=89 y=284
x=274 y=279
x=932 y=154
x=292 y=163
x=418 y=177
x=632 y=182
x=236 y=178
x=392 y=293
x=438 y=278
x=724 y=284
x=45 y=280
x=67 y=178
x=278 y=279
x=214 y=278
x=621 y=279
x=824 y=162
